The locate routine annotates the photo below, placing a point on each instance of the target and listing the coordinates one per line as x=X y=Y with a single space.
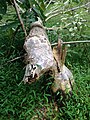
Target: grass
x=36 y=101
x=24 y=101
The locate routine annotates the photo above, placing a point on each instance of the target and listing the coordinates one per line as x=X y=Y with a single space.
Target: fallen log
x=41 y=59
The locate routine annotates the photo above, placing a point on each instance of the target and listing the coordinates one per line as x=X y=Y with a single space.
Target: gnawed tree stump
x=41 y=59
x=39 y=53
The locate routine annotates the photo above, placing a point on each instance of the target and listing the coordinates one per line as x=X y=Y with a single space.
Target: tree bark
x=41 y=59
x=39 y=53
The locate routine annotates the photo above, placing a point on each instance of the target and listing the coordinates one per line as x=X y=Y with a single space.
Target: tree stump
x=39 y=53
x=40 y=59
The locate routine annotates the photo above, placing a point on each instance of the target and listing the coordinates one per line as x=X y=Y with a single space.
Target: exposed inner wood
x=41 y=58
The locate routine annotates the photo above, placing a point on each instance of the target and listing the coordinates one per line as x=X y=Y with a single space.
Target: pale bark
x=41 y=59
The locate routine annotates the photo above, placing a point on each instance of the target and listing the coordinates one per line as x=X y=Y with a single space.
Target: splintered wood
x=41 y=59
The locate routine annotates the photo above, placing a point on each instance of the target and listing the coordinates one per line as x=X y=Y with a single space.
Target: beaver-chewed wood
x=40 y=59
x=39 y=53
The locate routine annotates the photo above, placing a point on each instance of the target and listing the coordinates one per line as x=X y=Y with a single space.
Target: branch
x=16 y=58
x=72 y=42
x=12 y=60
x=19 y=17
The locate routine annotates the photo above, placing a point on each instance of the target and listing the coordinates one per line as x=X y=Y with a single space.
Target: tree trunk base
x=40 y=59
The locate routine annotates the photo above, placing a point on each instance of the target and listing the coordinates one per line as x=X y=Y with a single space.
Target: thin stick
x=20 y=83
x=72 y=42
x=16 y=58
x=12 y=60
x=19 y=17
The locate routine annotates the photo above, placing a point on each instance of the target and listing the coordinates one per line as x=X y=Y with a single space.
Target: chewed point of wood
x=38 y=47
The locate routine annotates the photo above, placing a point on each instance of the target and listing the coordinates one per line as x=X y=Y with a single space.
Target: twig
x=20 y=83
x=19 y=17
x=12 y=60
x=16 y=58
x=72 y=42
